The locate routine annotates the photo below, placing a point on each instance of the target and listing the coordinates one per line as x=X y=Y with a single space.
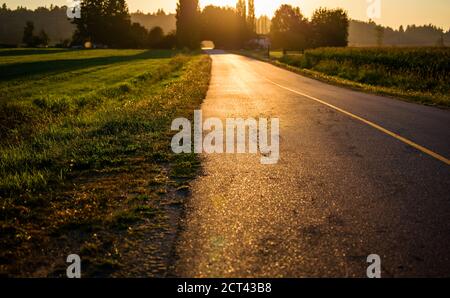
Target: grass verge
x=86 y=165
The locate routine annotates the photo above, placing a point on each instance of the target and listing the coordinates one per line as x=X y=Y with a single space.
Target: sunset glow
x=417 y=12
x=262 y=7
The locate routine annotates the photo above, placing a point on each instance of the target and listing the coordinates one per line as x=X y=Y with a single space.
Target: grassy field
x=415 y=74
x=85 y=159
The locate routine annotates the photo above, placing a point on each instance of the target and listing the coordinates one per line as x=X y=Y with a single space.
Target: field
x=415 y=74
x=85 y=159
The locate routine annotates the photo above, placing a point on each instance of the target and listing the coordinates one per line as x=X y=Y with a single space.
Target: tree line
x=233 y=28
x=372 y=34
x=227 y=27
x=53 y=21
x=109 y=23
x=32 y=40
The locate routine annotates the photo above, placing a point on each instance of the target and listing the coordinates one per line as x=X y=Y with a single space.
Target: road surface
x=341 y=191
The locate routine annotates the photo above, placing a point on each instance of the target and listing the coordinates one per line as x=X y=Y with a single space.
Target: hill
x=55 y=23
x=53 y=20
x=364 y=34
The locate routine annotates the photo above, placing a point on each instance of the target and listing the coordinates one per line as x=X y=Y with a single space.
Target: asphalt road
x=341 y=191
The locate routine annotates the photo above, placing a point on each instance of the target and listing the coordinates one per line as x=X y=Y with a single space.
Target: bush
x=416 y=69
x=55 y=105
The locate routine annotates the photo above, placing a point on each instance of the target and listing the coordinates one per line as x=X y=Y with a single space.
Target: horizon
x=437 y=14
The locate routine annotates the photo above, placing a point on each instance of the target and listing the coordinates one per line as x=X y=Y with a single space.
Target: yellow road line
x=376 y=126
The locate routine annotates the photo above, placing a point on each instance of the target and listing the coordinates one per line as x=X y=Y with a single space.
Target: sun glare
x=262 y=7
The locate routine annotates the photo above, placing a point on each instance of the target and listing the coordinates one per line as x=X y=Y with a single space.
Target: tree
x=213 y=19
x=137 y=37
x=160 y=12
x=169 y=41
x=118 y=24
x=263 y=25
x=241 y=9
x=251 y=19
x=241 y=12
x=379 y=35
x=106 y=22
x=42 y=39
x=440 y=42
x=330 y=27
x=28 y=37
x=289 y=29
x=188 y=29
x=155 y=37
x=92 y=24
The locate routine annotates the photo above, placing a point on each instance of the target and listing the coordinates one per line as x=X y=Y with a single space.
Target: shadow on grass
x=26 y=52
x=16 y=70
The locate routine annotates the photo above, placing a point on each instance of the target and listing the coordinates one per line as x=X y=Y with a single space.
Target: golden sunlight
x=262 y=7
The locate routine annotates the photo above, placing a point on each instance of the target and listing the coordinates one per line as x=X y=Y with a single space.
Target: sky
x=393 y=13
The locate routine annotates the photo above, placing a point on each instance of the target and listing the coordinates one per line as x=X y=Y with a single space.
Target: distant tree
x=330 y=27
x=440 y=42
x=92 y=24
x=150 y=20
x=118 y=24
x=251 y=18
x=65 y=43
x=169 y=41
x=155 y=37
x=4 y=7
x=188 y=29
x=160 y=12
x=423 y=35
x=213 y=19
x=241 y=9
x=263 y=25
x=137 y=37
x=289 y=29
x=42 y=38
x=241 y=12
x=379 y=35
x=365 y=34
x=106 y=22
x=28 y=37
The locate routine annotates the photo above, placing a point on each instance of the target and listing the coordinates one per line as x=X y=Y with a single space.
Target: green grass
x=83 y=136
x=415 y=74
